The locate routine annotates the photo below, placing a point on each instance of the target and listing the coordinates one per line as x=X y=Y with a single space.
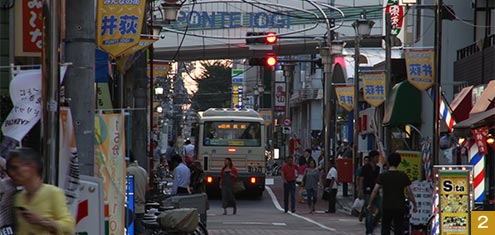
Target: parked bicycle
x=168 y=221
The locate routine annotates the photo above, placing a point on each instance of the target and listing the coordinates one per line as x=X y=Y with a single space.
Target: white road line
x=254 y=223
x=269 y=181
x=277 y=205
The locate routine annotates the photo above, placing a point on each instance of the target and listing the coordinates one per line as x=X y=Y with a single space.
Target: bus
x=236 y=133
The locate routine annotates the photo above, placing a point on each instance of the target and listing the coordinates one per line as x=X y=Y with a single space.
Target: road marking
x=277 y=205
x=269 y=181
x=254 y=223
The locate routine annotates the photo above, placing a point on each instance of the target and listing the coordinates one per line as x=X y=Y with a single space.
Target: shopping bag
x=358 y=205
x=238 y=187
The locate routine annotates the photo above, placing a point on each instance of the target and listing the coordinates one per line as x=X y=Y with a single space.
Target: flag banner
x=374 y=88
x=111 y=168
x=103 y=100
x=68 y=168
x=345 y=96
x=454 y=202
x=118 y=25
x=480 y=135
x=125 y=61
x=25 y=93
x=420 y=68
x=160 y=70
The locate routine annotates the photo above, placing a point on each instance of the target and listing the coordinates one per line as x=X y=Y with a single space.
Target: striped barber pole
x=435 y=222
x=426 y=155
x=444 y=111
x=477 y=160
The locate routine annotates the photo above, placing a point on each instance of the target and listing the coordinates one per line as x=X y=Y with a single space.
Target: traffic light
x=268 y=38
x=268 y=60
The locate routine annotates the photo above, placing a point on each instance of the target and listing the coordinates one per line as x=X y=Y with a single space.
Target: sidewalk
x=342 y=221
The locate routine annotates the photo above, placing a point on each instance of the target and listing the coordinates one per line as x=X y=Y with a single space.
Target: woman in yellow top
x=39 y=208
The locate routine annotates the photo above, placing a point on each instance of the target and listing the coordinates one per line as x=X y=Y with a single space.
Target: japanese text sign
x=480 y=136
x=420 y=68
x=345 y=96
x=423 y=192
x=280 y=97
x=396 y=16
x=410 y=164
x=118 y=25
x=454 y=201
x=31 y=25
x=374 y=88
x=160 y=70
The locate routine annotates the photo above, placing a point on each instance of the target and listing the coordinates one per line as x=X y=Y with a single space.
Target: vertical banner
x=396 y=18
x=280 y=97
x=410 y=164
x=420 y=66
x=345 y=96
x=454 y=202
x=118 y=25
x=68 y=167
x=374 y=88
x=28 y=27
x=129 y=193
x=111 y=168
x=103 y=100
x=237 y=88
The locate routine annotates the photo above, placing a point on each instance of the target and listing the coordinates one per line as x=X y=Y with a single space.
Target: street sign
x=287 y=130
x=482 y=222
x=287 y=122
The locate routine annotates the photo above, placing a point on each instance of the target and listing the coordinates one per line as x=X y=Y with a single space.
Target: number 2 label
x=483 y=220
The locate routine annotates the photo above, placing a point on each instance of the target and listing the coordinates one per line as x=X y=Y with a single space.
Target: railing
x=476 y=47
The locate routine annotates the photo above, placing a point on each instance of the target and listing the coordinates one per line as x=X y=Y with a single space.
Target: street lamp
x=169 y=9
x=362 y=27
x=159 y=90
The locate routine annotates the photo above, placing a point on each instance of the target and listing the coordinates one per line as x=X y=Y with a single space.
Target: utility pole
x=388 y=74
x=50 y=88
x=438 y=79
x=79 y=82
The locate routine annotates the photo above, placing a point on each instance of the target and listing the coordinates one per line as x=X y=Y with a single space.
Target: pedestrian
x=307 y=155
x=141 y=186
x=310 y=183
x=289 y=174
x=332 y=186
x=188 y=151
x=197 y=178
x=366 y=182
x=39 y=208
x=7 y=192
x=228 y=176
x=156 y=154
x=301 y=168
x=170 y=151
x=393 y=183
x=182 y=176
x=298 y=153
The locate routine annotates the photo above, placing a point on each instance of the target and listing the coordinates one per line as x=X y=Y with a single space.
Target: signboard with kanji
x=454 y=202
x=28 y=27
x=118 y=25
x=280 y=97
x=374 y=88
x=420 y=65
x=345 y=96
x=396 y=16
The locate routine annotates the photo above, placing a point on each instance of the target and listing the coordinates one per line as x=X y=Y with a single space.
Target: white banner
x=25 y=93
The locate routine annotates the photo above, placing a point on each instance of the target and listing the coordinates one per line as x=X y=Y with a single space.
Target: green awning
x=403 y=106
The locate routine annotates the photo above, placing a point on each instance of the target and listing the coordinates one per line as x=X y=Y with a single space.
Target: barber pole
x=426 y=154
x=444 y=111
x=477 y=160
x=435 y=222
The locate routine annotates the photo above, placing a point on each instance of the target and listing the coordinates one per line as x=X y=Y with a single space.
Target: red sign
x=396 y=16
x=480 y=136
x=31 y=25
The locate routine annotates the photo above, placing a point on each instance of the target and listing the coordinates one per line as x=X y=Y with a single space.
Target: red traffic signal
x=271 y=60
x=271 y=38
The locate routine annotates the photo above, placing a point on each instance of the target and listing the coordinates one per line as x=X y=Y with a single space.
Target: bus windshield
x=232 y=134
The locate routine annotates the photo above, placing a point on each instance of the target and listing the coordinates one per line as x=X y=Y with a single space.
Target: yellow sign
x=103 y=100
x=482 y=222
x=125 y=61
x=410 y=164
x=118 y=25
x=420 y=68
x=160 y=70
x=374 y=88
x=345 y=96
x=267 y=115
x=110 y=167
x=454 y=202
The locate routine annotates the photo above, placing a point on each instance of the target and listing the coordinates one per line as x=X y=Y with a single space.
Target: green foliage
x=214 y=86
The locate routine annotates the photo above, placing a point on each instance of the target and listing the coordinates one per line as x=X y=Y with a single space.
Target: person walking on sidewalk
x=289 y=171
x=332 y=186
x=366 y=182
x=393 y=183
x=228 y=176
x=310 y=183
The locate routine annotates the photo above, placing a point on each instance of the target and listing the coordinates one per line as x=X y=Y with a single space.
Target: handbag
x=238 y=187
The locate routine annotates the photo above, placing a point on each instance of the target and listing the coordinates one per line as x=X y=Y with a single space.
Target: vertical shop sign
x=280 y=97
x=420 y=68
x=454 y=202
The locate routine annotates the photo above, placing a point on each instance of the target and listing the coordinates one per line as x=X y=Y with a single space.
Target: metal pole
x=50 y=90
x=327 y=109
x=388 y=73
x=150 y=153
x=438 y=59
x=356 y=107
x=80 y=78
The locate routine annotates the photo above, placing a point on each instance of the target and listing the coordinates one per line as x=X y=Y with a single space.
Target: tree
x=214 y=86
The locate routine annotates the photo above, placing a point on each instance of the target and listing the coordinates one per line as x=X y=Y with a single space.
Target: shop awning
x=461 y=103
x=485 y=101
x=476 y=120
x=403 y=106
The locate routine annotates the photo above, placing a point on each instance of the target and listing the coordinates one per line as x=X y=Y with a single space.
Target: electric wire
x=185 y=33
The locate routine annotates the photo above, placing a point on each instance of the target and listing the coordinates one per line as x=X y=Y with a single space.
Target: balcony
x=305 y=94
x=474 y=63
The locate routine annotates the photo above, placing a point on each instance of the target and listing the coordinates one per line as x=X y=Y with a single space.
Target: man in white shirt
x=182 y=176
x=140 y=188
x=332 y=186
x=188 y=151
